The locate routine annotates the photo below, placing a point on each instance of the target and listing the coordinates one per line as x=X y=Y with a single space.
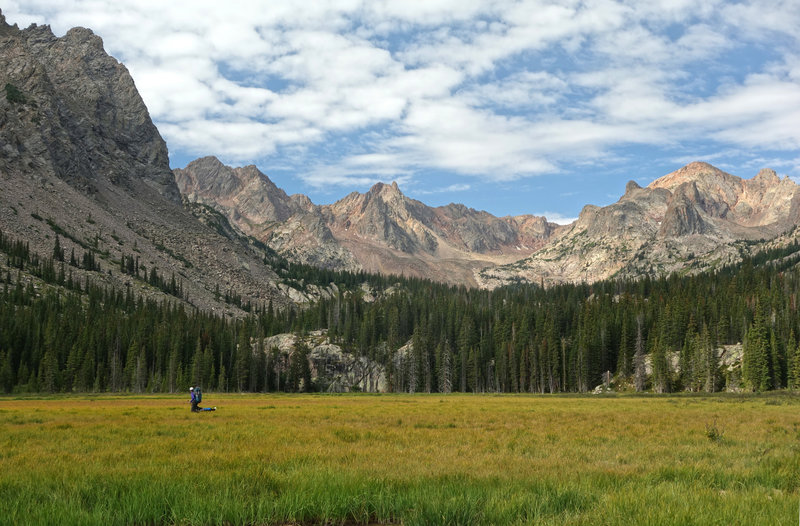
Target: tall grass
x=360 y=459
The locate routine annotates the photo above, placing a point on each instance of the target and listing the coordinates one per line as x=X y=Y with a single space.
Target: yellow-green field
x=359 y=459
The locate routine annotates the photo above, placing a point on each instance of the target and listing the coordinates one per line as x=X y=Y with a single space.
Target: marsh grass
x=393 y=459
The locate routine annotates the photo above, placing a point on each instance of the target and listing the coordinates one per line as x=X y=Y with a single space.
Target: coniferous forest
x=665 y=334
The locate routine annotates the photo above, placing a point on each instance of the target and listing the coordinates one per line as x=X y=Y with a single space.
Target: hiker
x=197 y=397
x=193 y=400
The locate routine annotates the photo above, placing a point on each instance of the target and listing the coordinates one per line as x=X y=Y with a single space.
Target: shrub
x=14 y=95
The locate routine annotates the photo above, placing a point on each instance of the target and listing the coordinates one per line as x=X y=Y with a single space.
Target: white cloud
x=555 y=217
x=457 y=187
x=492 y=90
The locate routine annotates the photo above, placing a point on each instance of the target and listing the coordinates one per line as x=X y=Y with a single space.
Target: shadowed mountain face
x=694 y=218
x=81 y=159
x=381 y=230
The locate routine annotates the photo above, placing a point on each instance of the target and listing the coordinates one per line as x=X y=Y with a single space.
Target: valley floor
x=401 y=459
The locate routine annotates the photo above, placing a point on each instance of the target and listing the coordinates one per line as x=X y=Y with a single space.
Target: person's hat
x=191 y=388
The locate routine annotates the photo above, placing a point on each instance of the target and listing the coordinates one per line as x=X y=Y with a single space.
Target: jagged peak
x=205 y=161
x=588 y=210
x=694 y=171
x=83 y=33
x=767 y=176
x=5 y=25
x=210 y=167
x=384 y=189
x=632 y=186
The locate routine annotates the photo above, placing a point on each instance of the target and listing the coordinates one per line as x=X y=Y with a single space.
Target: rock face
x=381 y=230
x=693 y=218
x=332 y=369
x=82 y=118
x=81 y=159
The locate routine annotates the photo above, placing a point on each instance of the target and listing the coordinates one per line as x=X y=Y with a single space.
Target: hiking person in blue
x=197 y=397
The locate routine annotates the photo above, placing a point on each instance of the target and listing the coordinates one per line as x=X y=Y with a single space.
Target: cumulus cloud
x=496 y=91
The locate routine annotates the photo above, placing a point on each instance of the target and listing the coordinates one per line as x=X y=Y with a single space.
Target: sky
x=514 y=107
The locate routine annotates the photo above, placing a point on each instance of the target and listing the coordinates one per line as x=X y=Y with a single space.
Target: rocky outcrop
x=683 y=217
x=332 y=369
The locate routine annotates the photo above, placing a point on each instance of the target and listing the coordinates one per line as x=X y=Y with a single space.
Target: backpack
x=198 y=395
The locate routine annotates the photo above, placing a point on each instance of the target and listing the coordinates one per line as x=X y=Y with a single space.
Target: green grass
x=365 y=459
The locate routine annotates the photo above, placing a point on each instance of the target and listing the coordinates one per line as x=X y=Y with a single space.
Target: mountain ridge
x=697 y=211
x=381 y=230
x=691 y=218
x=79 y=148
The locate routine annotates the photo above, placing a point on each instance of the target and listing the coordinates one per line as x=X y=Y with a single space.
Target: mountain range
x=81 y=161
x=380 y=231
x=695 y=218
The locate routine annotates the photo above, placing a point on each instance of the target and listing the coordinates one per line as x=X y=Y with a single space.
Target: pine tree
x=794 y=361
x=242 y=362
x=625 y=355
x=755 y=372
x=661 y=370
x=58 y=251
x=6 y=373
x=710 y=360
x=639 y=370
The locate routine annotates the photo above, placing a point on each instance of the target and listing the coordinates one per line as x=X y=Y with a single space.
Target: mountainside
x=80 y=159
x=381 y=230
x=694 y=218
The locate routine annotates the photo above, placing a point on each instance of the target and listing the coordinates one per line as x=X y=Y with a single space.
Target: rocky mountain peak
x=246 y=189
x=695 y=214
x=387 y=192
x=767 y=177
x=701 y=172
x=83 y=119
x=631 y=186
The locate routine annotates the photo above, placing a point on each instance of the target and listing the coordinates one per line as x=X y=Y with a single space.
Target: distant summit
x=381 y=230
x=690 y=219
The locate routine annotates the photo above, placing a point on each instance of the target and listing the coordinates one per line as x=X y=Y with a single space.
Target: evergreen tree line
x=129 y=265
x=664 y=334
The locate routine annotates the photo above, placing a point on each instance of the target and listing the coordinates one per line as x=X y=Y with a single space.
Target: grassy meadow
x=401 y=459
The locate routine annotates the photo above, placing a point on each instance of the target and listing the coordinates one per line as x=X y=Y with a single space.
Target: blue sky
x=511 y=106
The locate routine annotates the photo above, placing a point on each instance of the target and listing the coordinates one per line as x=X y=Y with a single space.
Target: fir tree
x=640 y=373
